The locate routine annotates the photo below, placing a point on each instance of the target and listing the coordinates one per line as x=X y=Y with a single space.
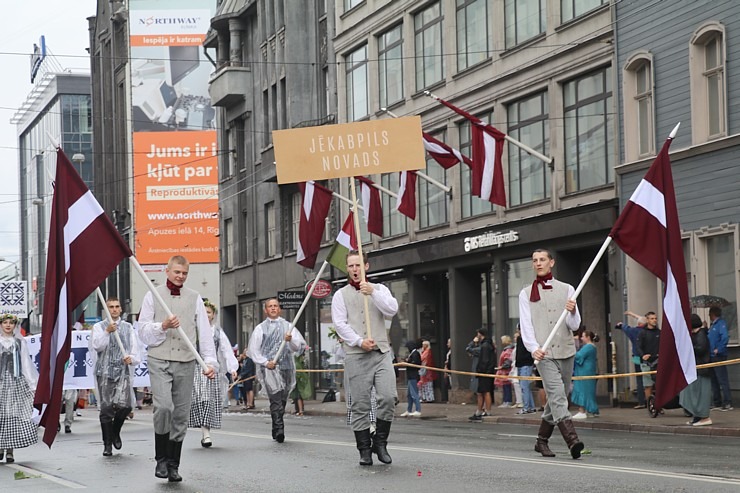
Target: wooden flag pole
x=167 y=310
x=358 y=233
x=110 y=320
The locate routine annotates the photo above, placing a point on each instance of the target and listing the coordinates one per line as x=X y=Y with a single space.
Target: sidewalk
x=726 y=423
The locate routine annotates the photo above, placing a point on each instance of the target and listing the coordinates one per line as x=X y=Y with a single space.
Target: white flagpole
x=167 y=310
x=110 y=320
x=512 y=140
x=385 y=190
x=421 y=175
x=358 y=234
x=300 y=310
x=345 y=200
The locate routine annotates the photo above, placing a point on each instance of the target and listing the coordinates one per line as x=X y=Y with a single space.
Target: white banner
x=79 y=372
x=14 y=298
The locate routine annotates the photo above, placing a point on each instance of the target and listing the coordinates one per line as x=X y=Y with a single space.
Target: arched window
x=708 y=84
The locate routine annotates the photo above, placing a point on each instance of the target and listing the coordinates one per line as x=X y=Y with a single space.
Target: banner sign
x=349 y=149
x=290 y=300
x=79 y=372
x=174 y=132
x=14 y=298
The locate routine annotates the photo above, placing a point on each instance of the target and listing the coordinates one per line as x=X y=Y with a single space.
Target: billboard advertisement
x=175 y=160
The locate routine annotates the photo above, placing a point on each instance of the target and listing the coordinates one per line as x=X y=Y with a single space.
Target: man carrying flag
x=79 y=231
x=648 y=231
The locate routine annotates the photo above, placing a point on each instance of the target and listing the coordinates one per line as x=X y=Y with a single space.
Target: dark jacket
x=523 y=357
x=487 y=357
x=700 y=341
x=648 y=342
x=415 y=359
x=248 y=369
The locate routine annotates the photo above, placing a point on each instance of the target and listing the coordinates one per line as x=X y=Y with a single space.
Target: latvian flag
x=446 y=156
x=84 y=248
x=314 y=209
x=406 y=201
x=371 y=205
x=648 y=231
x=345 y=242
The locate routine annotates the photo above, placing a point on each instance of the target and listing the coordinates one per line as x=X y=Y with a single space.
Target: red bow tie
x=174 y=288
x=541 y=281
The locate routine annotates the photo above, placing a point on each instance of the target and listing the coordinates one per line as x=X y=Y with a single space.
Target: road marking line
x=576 y=465
x=35 y=472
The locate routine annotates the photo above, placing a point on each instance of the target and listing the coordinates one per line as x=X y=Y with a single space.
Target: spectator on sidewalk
x=427 y=376
x=696 y=398
x=718 y=339
x=648 y=345
x=247 y=374
x=412 y=379
x=487 y=365
x=473 y=349
x=524 y=365
x=632 y=334
x=515 y=385
x=302 y=389
x=586 y=364
x=505 y=362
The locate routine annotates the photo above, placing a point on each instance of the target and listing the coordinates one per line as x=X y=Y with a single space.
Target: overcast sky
x=64 y=24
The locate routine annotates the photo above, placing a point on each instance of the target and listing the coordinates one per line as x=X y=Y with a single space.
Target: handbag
x=422 y=371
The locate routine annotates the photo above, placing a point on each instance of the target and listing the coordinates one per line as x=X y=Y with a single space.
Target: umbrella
x=708 y=301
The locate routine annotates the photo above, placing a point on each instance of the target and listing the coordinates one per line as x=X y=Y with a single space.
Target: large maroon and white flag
x=446 y=156
x=84 y=248
x=314 y=209
x=648 y=231
x=406 y=201
x=371 y=204
x=487 y=167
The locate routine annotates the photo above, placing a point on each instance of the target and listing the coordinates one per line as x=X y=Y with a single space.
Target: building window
x=350 y=4
x=470 y=205
x=518 y=275
x=394 y=223
x=357 y=90
x=638 y=110
x=428 y=46
x=529 y=177
x=524 y=20
x=473 y=39
x=228 y=243
x=295 y=219
x=721 y=272
x=390 y=66
x=274 y=124
x=270 y=230
x=570 y=9
x=432 y=200
x=243 y=246
x=708 y=84
x=283 y=104
x=589 y=135
x=267 y=134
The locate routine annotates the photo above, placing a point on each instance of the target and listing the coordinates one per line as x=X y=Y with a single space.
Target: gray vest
x=353 y=300
x=544 y=315
x=174 y=347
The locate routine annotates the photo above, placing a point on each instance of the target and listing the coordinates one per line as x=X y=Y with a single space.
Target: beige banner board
x=349 y=149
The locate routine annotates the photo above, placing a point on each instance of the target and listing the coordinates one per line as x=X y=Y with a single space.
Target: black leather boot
x=118 y=420
x=161 y=442
x=543 y=436
x=365 y=446
x=174 y=449
x=380 y=441
x=106 y=429
x=571 y=438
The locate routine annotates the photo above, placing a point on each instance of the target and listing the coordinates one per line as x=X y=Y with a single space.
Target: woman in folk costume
x=114 y=373
x=208 y=395
x=427 y=377
x=18 y=377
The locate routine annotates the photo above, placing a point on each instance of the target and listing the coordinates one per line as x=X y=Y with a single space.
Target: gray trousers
x=172 y=388
x=363 y=371
x=70 y=399
x=556 y=375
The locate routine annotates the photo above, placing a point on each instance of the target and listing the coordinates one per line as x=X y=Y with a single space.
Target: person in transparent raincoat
x=114 y=373
x=208 y=394
x=275 y=372
x=18 y=378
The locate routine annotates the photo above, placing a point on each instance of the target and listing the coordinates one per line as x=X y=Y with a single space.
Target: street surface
x=428 y=455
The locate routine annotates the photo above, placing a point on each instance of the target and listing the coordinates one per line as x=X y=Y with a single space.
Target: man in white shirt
x=540 y=306
x=277 y=375
x=171 y=363
x=369 y=360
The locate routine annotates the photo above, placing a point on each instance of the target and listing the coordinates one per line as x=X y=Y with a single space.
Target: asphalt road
x=431 y=456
